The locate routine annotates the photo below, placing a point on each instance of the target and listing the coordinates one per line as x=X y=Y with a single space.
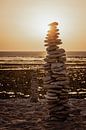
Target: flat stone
x=57 y=65
x=55 y=110
x=84 y=123
x=56 y=90
x=56 y=52
x=62 y=59
x=52 y=48
x=46 y=64
x=46 y=86
x=55 y=70
x=62 y=113
x=55 y=76
x=62 y=78
x=56 y=86
x=52 y=37
x=66 y=86
x=56 y=55
x=47 y=67
x=51 y=86
x=83 y=113
x=52 y=43
x=52 y=34
x=60 y=83
x=48 y=73
x=63 y=72
x=50 y=60
x=53 y=103
x=53 y=24
x=58 y=69
x=51 y=94
x=61 y=50
x=47 y=82
x=47 y=78
x=56 y=107
x=49 y=97
x=53 y=91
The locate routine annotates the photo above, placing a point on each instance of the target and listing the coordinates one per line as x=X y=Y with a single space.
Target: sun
x=40 y=26
x=41 y=23
x=37 y=25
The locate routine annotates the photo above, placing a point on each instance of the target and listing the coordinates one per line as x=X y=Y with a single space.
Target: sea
x=15 y=66
x=15 y=58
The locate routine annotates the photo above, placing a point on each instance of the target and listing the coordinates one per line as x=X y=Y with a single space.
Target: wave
x=10 y=60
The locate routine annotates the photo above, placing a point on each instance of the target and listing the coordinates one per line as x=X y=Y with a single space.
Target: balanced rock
x=55 y=80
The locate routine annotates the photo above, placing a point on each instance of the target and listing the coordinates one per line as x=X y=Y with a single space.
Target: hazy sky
x=24 y=23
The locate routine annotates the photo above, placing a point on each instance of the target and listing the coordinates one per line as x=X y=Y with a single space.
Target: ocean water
x=25 y=58
x=16 y=69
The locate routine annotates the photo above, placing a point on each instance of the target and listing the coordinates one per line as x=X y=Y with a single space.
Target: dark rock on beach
x=21 y=114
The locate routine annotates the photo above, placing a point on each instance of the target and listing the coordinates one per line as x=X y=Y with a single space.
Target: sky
x=24 y=24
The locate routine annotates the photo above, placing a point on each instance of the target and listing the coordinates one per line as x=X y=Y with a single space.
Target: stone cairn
x=55 y=80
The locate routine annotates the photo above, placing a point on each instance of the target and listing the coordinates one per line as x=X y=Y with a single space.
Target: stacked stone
x=55 y=81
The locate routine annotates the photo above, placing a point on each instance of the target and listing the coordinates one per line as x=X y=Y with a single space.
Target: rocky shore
x=21 y=114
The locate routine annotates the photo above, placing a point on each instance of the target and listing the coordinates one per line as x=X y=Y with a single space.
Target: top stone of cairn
x=53 y=24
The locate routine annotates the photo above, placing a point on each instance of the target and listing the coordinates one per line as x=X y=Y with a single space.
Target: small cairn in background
x=55 y=80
